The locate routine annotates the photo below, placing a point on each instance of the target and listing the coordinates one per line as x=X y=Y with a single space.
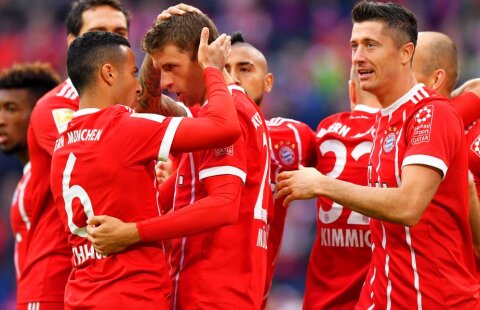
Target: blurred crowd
x=307 y=46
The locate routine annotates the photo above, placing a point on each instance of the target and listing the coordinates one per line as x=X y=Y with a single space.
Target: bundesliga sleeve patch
x=475 y=146
x=423 y=125
x=224 y=151
x=61 y=118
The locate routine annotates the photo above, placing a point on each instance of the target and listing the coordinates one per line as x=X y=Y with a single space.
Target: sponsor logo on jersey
x=475 y=146
x=61 y=117
x=224 y=151
x=423 y=125
x=389 y=142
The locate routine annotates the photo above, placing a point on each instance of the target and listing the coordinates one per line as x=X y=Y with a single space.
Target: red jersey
x=429 y=265
x=104 y=164
x=293 y=143
x=47 y=255
x=20 y=218
x=225 y=267
x=344 y=142
x=473 y=150
x=468 y=106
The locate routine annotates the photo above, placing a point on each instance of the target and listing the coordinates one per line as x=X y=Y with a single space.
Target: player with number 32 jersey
x=344 y=142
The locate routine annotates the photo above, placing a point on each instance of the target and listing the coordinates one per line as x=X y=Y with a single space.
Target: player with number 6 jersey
x=104 y=164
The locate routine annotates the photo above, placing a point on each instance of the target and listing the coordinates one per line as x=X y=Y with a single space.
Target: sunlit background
x=307 y=46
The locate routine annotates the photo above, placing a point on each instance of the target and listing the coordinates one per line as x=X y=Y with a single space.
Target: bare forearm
x=388 y=204
x=403 y=205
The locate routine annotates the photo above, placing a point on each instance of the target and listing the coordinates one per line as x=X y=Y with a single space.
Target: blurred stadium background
x=307 y=46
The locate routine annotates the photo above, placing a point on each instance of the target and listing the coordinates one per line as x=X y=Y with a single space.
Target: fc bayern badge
x=286 y=155
x=389 y=142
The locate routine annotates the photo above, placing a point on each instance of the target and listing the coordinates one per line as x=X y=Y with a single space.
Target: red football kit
x=104 y=165
x=20 y=213
x=473 y=150
x=429 y=265
x=344 y=142
x=225 y=267
x=292 y=143
x=47 y=256
x=468 y=106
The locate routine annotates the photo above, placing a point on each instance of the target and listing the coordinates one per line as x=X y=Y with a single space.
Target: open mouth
x=365 y=73
x=3 y=138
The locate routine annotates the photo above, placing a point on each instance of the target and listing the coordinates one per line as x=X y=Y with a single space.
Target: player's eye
x=11 y=107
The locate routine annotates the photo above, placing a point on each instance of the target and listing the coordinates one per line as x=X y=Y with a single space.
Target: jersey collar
x=365 y=108
x=402 y=100
x=85 y=111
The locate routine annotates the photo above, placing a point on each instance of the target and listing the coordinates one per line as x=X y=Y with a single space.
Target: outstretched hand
x=298 y=184
x=110 y=235
x=215 y=54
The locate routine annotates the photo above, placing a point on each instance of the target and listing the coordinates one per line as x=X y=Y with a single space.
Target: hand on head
x=215 y=54
x=178 y=9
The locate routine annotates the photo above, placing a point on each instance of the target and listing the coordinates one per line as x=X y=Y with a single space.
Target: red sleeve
x=430 y=142
x=49 y=119
x=165 y=193
x=219 y=208
x=219 y=127
x=468 y=106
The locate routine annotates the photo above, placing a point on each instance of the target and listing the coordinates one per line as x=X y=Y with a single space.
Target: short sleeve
x=433 y=136
x=229 y=160
x=49 y=119
x=145 y=137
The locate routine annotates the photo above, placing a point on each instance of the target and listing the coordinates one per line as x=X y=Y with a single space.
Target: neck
x=388 y=96
x=94 y=100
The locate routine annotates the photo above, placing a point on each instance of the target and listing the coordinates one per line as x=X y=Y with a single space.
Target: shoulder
x=53 y=105
x=279 y=124
x=332 y=119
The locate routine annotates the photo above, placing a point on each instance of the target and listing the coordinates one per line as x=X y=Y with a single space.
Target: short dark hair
x=237 y=37
x=74 y=21
x=398 y=19
x=89 y=52
x=36 y=77
x=183 y=31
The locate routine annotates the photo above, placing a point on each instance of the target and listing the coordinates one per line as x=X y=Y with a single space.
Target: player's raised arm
x=220 y=125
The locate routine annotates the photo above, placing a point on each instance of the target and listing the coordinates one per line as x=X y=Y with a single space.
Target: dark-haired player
x=422 y=255
x=48 y=257
x=20 y=88
x=104 y=164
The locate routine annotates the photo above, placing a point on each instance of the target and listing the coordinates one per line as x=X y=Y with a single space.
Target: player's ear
x=107 y=74
x=438 y=78
x=70 y=39
x=268 y=83
x=407 y=53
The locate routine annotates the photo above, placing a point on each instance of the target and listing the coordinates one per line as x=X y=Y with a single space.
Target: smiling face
x=376 y=56
x=180 y=74
x=15 y=109
x=248 y=68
